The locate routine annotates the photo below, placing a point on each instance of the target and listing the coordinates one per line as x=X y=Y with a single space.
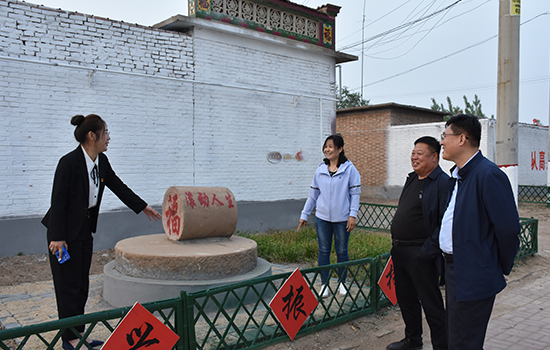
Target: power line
x=437 y=25
x=480 y=87
x=449 y=55
x=390 y=39
x=405 y=25
x=373 y=22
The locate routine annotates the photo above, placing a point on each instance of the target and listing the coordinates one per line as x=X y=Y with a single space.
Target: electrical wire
x=405 y=25
x=481 y=87
x=391 y=39
x=409 y=36
x=448 y=55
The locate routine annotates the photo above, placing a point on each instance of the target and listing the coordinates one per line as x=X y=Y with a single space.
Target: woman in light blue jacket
x=335 y=193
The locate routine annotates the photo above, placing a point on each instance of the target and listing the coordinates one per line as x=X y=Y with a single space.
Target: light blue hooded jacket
x=336 y=197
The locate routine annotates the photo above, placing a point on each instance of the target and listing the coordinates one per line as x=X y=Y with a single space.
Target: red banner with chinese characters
x=141 y=330
x=293 y=303
x=387 y=282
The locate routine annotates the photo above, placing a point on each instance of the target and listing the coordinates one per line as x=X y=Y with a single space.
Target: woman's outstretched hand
x=152 y=213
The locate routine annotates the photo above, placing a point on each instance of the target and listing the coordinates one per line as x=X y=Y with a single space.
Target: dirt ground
x=367 y=332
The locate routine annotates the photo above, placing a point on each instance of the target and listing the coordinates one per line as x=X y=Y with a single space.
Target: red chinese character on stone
x=173 y=221
x=214 y=199
x=542 y=163
x=204 y=200
x=190 y=201
x=229 y=200
x=534 y=161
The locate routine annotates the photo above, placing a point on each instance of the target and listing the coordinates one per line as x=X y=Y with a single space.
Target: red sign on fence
x=293 y=303
x=141 y=330
x=387 y=282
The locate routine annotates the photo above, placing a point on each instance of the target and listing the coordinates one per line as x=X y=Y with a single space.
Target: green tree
x=473 y=108
x=350 y=99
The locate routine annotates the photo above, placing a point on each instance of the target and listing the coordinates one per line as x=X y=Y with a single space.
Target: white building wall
x=236 y=128
x=401 y=143
x=533 y=155
x=175 y=106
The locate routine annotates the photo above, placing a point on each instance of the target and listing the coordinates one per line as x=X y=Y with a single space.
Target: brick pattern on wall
x=236 y=127
x=402 y=116
x=365 y=139
x=167 y=129
x=40 y=33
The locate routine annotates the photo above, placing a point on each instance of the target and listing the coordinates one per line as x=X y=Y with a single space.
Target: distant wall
x=401 y=138
x=533 y=155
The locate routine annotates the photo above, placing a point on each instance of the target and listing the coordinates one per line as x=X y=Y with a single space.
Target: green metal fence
x=528 y=238
x=534 y=194
x=235 y=316
x=238 y=316
x=47 y=335
x=376 y=216
x=224 y=319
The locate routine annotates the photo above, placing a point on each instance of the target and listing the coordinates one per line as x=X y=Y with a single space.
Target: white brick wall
x=237 y=128
x=534 y=140
x=401 y=143
x=165 y=129
x=44 y=34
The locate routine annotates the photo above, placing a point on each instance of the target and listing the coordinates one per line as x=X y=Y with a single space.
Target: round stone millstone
x=157 y=257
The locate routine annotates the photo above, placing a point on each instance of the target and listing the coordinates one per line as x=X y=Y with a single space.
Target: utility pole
x=363 y=45
x=508 y=90
x=548 y=151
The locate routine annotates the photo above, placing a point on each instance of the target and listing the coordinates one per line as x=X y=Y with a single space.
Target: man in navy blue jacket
x=478 y=235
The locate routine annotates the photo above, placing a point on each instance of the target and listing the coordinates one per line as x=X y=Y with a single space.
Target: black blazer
x=70 y=196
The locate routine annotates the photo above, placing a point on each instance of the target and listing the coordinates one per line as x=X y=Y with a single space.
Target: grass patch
x=293 y=246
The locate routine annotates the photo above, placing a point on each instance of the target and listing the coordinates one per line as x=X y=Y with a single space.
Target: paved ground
x=520 y=320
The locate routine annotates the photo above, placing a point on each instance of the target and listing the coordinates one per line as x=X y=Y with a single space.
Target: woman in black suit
x=80 y=178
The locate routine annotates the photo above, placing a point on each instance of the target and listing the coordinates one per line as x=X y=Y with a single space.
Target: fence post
x=185 y=326
x=375 y=288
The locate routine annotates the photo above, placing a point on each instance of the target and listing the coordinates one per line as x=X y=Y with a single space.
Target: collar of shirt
x=93 y=189
x=89 y=162
x=456 y=168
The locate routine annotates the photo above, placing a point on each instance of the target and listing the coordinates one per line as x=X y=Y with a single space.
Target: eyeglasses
x=443 y=135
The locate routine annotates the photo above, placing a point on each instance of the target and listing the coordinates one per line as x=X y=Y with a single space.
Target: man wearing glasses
x=478 y=235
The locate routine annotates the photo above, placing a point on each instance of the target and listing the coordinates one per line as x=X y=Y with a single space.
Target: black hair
x=432 y=143
x=338 y=143
x=85 y=124
x=466 y=124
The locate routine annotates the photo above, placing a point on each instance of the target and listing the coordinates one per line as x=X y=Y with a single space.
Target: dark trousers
x=467 y=320
x=71 y=279
x=417 y=287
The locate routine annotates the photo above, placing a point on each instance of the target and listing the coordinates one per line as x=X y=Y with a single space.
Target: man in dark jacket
x=417 y=218
x=478 y=235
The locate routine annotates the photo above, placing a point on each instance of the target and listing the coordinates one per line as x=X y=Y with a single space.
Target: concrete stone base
x=157 y=257
x=120 y=290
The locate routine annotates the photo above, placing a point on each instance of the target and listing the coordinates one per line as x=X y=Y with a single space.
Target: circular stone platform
x=152 y=267
x=157 y=257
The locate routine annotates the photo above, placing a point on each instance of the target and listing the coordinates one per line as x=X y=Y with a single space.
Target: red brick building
x=365 y=131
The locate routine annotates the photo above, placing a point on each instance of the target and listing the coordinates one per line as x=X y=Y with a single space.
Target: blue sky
x=452 y=53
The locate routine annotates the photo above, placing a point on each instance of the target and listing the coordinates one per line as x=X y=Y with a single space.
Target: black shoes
x=404 y=344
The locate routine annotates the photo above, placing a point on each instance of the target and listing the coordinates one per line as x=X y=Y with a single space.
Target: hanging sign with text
x=387 y=282
x=141 y=330
x=293 y=303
